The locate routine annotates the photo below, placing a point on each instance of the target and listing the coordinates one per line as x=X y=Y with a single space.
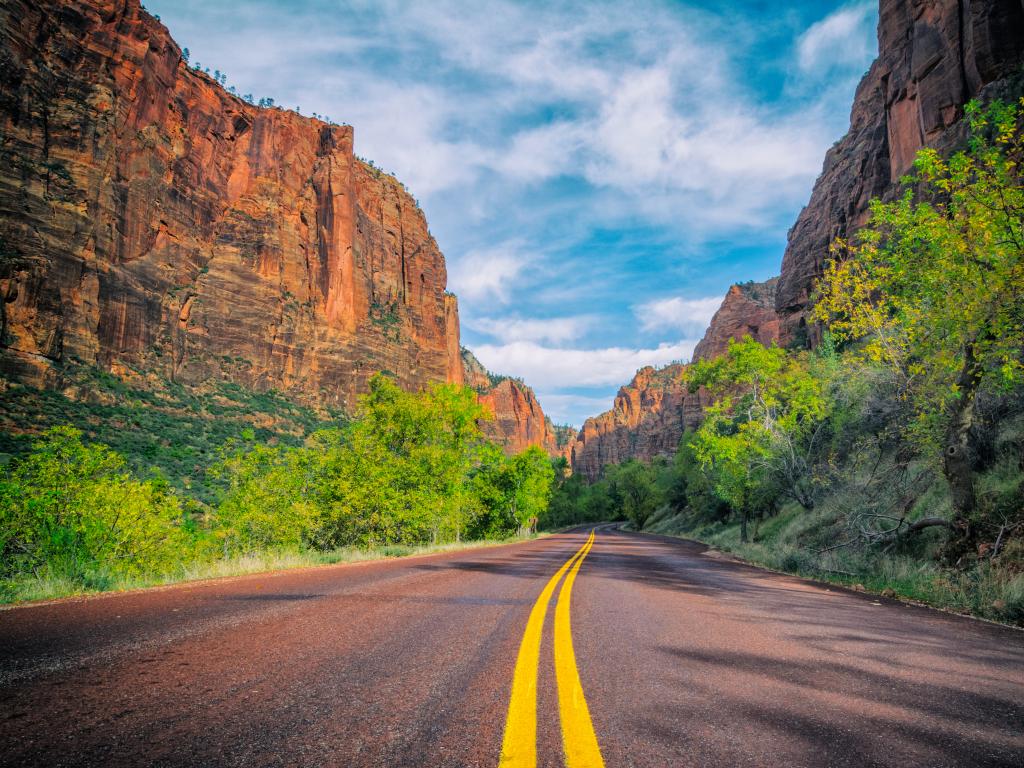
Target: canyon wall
x=156 y=226
x=651 y=413
x=518 y=419
x=934 y=57
x=748 y=309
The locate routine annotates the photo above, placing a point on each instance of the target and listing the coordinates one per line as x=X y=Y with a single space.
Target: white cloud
x=488 y=274
x=555 y=330
x=549 y=368
x=687 y=315
x=843 y=37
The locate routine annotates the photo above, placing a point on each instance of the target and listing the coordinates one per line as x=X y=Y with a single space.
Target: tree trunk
x=957 y=458
x=743 y=526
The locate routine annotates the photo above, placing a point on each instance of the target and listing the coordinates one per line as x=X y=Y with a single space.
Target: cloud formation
x=837 y=39
x=676 y=313
x=489 y=274
x=554 y=368
x=556 y=330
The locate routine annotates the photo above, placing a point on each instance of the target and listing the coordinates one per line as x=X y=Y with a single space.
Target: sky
x=597 y=174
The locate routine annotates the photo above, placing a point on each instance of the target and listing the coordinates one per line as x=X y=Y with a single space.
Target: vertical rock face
x=934 y=56
x=747 y=310
x=647 y=419
x=152 y=222
x=519 y=421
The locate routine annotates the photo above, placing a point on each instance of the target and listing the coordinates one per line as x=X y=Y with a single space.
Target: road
x=666 y=656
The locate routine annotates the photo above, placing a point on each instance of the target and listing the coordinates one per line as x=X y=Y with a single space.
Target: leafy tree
x=761 y=434
x=75 y=509
x=635 y=485
x=934 y=291
x=399 y=474
x=532 y=475
x=269 y=500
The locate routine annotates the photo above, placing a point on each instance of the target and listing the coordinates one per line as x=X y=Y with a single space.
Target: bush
x=73 y=510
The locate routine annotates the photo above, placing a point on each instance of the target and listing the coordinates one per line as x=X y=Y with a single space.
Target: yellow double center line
x=519 y=747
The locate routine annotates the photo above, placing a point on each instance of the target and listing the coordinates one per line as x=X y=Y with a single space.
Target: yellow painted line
x=519 y=747
x=578 y=737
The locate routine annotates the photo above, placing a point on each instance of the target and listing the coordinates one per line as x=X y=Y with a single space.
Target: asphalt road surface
x=666 y=656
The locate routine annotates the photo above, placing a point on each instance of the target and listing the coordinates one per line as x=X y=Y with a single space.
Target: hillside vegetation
x=892 y=456
x=408 y=470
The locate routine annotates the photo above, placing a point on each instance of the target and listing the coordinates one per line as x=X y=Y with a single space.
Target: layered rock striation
x=647 y=419
x=934 y=57
x=153 y=223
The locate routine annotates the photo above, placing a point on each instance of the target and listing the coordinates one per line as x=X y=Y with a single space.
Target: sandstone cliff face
x=747 y=310
x=519 y=421
x=934 y=56
x=647 y=419
x=152 y=222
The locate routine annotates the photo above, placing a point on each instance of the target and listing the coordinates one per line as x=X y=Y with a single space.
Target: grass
x=790 y=542
x=51 y=585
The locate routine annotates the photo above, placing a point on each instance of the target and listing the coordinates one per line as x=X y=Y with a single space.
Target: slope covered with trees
x=407 y=469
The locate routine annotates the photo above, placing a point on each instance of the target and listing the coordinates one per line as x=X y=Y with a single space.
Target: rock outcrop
x=647 y=419
x=518 y=420
x=747 y=310
x=934 y=57
x=151 y=222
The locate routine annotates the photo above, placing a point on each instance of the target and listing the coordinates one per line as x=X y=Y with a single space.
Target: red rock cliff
x=651 y=413
x=151 y=221
x=934 y=56
x=519 y=420
x=647 y=419
x=747 y=310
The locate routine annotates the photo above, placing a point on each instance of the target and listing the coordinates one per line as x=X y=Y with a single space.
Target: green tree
x=635 y=485
x=75 y=510
x=764 y=429
x=400 y=472
x=269 y=500
x=934 y=291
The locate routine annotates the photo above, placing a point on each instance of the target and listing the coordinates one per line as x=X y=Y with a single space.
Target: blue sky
x=596 y=173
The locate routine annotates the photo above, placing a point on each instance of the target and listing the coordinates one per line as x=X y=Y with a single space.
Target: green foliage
x=763 y=427
x=933 y=295
x=177 y=430
x=73 y=509
x=634 y=483
x=409 y=469
x=937 y=279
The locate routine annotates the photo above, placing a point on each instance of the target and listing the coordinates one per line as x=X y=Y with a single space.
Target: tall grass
x=788 y=543
x=50 y=583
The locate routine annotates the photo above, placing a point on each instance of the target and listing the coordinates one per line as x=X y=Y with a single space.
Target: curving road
x=665 y=656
